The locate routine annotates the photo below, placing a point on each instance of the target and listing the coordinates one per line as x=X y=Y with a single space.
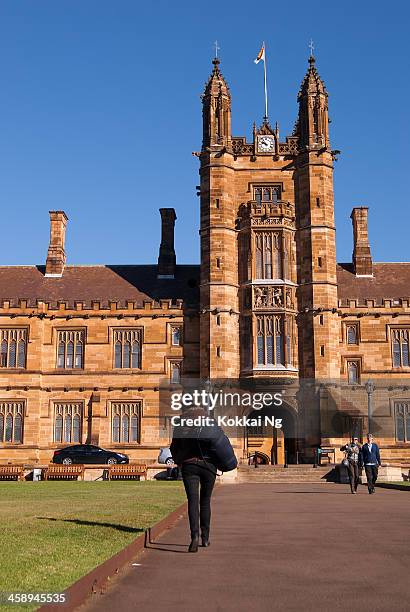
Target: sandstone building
x=85 y=349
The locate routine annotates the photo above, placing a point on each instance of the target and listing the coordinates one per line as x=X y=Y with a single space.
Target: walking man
x=370 y=458
x=352 y=452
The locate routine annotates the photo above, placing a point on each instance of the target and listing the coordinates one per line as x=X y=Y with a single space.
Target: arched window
x=12 y=354
x=352 y=334
x=270 y=347
x=175 y=368
x=400 y=348
x=135 y=355
x=118 y=355
x=116 y=428
x=13 y=348
x=127 y=352
x=11 y=422
x=21 y=358
x=76 y=428
x=70 y=355
x=9 y=428
x=58 y=428
x=352 y=372
x=67 y=428
x=68 y=422
x=70 y=351
x=176 y=336
x=126 y=422
x=125 y=427
x=4 y=354
x=18 y=429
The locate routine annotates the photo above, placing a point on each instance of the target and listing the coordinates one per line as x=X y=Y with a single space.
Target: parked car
x=87 y=453
x=165 y=456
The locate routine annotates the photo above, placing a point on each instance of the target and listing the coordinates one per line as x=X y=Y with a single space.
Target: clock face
x=266 y=144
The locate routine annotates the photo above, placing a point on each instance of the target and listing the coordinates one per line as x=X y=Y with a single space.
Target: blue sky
x=100 y=112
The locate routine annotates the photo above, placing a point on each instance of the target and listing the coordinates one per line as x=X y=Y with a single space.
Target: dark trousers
x=199 y=480
x=371 y=475
x=353 y=473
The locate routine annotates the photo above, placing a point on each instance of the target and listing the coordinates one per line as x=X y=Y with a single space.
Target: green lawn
x=52 y=533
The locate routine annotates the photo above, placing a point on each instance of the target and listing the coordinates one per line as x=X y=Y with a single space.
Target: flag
x=261 y=55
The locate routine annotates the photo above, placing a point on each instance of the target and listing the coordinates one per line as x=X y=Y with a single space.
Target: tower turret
x=216 y=109
x=313 y=110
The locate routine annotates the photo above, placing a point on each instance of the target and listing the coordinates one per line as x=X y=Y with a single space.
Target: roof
x=389 y=281
x=98 y=283
x=139 y=283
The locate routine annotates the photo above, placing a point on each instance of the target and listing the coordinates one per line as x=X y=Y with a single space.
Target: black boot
x=205 y=541
x=193 y=547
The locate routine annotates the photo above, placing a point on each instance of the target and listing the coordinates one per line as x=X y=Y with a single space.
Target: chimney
x=56 y=254
x=362 y=258
x=167 y=258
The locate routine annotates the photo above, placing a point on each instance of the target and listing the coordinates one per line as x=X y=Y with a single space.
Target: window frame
x=123 y=330
x=17 y=330
x=273 y=187
x=264 y=324
x=351 y=324
x=19 y=409
x=71 y=330
x=117 y=405
x=357 y=363
x=399 y=330
x=81 y=413
x=406 y=420
x=171 y=363
x=172 y=327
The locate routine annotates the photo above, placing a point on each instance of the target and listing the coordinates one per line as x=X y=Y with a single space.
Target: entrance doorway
x=269 y=445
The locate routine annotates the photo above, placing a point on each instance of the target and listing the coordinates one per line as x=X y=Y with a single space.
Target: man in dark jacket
x=370 y=458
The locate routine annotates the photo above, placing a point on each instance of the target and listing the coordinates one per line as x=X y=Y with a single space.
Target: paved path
x=279 y=547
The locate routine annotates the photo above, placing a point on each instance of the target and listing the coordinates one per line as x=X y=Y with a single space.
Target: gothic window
x=268 y=255
x=70 y=349
x=127 y=348
x=13 y=348
x=352 y=334
x=175 y=372
x=126 y=422
x=68 y=419
x=402 y=421
x=11 y=422
x=267 y=193
x=400 y=348
x=269 y=343
x=352 y=372
x=176 y=336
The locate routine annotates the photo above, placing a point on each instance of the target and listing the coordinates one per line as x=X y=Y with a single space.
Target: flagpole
x=266 y=89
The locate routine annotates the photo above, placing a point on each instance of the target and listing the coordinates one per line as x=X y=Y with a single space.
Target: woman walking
x=195 y=449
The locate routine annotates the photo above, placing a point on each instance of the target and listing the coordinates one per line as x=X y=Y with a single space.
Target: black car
x=87 y=453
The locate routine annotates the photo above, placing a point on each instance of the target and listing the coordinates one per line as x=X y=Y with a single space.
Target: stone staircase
x=291 y=474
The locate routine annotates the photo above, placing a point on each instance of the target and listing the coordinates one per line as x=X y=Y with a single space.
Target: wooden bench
x=11 y=472
x=127 y=471
x=64 y=472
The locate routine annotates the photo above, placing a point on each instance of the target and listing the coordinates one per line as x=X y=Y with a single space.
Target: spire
x=216 y=112
x=313 y=109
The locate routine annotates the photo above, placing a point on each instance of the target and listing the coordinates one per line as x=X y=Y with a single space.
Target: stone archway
x=274 y=446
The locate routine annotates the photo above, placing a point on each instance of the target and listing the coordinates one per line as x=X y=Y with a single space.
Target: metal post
x=369 y=386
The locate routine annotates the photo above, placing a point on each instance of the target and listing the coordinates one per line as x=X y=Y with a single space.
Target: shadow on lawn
x=125 y=528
